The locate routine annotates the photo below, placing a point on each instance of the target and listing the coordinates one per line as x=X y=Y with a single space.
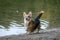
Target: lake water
x=11 y=14
x=15 y=29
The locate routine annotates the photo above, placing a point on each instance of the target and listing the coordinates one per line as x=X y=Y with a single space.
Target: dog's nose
x=29 y=17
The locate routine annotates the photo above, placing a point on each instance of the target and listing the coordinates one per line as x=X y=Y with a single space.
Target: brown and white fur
x=30 y=23
x=27 y=18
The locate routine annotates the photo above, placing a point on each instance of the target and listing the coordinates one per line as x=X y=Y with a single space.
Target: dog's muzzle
x=28 y=18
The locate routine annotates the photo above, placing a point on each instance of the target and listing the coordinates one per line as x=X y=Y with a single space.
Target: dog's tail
x=37 y=21
x=39 y=16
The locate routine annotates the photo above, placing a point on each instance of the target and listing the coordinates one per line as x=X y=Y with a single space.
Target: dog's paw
x=28 y=33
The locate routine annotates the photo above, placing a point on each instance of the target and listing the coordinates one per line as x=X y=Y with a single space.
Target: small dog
x=32 y=24
x=35 y=24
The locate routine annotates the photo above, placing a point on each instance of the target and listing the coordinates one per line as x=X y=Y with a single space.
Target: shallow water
x=15 y=29
x=11 y=14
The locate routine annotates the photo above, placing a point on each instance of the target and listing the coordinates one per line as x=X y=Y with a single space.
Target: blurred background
x=12 y=11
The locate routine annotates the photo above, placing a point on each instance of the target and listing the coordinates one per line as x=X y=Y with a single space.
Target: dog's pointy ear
x=30 y=13
x=24 y=13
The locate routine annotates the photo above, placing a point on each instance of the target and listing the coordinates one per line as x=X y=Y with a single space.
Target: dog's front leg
x=38 y=28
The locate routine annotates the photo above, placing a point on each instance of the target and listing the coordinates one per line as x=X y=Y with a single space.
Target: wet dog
x=35 y=24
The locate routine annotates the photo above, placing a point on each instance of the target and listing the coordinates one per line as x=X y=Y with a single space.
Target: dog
x=35 y=24
x=32 y=24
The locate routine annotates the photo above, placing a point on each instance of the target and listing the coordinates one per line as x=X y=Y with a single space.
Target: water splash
x=15 y=29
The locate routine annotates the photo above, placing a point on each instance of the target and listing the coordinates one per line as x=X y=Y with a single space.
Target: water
x=16 y=29
x=11 y=14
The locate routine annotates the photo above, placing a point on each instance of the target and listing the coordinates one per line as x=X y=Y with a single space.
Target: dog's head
x=27 y=17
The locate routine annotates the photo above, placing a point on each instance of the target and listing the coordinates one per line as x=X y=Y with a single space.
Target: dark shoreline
x=51 y=34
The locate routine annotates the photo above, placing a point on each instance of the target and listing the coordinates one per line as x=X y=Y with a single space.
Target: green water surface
x=9 y=8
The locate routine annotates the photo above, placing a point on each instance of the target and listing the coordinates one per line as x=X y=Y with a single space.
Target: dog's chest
x=25 y=22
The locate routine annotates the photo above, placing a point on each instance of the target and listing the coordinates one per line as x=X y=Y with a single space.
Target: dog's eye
x=29 y=17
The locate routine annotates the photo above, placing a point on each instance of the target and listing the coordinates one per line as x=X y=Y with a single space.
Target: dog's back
x=33 y=24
